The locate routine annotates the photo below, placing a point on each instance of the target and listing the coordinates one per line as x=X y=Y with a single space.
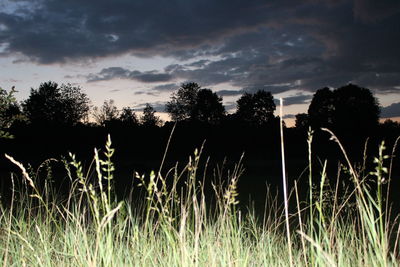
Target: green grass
x=176 y=226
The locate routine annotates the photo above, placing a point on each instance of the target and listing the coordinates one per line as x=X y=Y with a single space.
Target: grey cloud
x=61 y=30
x=159 y=88
x=145 y=93
x=289 y=116
x=391 y=111
x=158 y=106
x=121 y=73
x=109 y=74
x=274 y=89
x=230 y=107
x=229 y=92
x=271 y=45
x=166 y=87
x=298 y=99
x=199 y=63
x=152 y=77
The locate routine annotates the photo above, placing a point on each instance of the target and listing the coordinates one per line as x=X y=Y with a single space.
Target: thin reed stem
x=284 y=180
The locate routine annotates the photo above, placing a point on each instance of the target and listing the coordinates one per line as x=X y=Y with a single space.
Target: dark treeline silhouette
x=55 y=120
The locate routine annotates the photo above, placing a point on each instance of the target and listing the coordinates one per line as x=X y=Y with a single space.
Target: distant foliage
x=192 y=103
x=256 y=109
x=322 y=108
x=302 y=121
x=9 y=112
x=349 y=109
x=128 y=117
x=208 y=107
x=107 y=113
x=183 y=102
x=53 y=104
x=148 y=118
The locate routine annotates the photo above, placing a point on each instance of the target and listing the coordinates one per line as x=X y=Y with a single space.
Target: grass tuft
x=175 y=224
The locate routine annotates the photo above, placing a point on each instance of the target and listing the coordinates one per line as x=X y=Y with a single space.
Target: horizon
x=137 y=53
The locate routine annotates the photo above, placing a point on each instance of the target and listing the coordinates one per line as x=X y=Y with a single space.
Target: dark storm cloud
x=60 y=30
x=271 y=45
x=372 y=11
x=391 y=111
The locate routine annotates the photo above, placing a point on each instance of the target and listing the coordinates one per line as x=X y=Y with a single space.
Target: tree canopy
x=107 y=113
x=183 y=102
x=191 y=102
x=257 y=108
x=128 y=116
x=148 y=118
x=50 y=103
x=302 y=121
x=350 y=109
x=208 y=107
x=9 y=111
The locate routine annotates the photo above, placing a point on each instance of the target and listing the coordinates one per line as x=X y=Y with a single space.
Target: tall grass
x=176 y=225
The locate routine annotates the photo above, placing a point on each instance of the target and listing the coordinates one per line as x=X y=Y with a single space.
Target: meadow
x=176 y=217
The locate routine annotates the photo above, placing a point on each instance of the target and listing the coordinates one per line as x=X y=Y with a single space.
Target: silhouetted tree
x=9 y=112
x=208 y=107
x=350 y=110
x=107 y=113
x=302 y=121
x=391 y=124
x=256 y=109
x=50 y=103
x=128 y=116
x=390 y=131
x=322 y=108
x=182 y=104
x=356 y=108
x=149 y=119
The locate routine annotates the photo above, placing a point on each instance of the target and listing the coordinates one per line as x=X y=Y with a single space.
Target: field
x=175 y=218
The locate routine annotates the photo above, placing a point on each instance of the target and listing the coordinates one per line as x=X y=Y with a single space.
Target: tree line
x=54 y=104
x=350 y=108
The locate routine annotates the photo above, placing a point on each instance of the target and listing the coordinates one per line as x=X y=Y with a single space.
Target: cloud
x=251 y=45
x=391 y=111
x=145 y=93
x=230 y=106
x=121 y=73
x=297 y=99
x=372 y=11
x=229 y=92
x=154 y=91
x=166 y=87
x=57 y=31
x=289 y=116
x=158 y=106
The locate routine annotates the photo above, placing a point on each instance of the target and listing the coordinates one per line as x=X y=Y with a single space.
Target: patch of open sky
x=26 y=75
x=388 y=99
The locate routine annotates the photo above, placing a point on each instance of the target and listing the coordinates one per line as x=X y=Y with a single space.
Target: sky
x=140 y=51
